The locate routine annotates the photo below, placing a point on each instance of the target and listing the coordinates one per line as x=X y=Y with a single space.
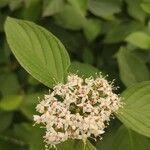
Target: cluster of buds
x=79 y=109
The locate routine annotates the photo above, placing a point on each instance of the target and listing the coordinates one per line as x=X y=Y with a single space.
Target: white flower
x=79 y=109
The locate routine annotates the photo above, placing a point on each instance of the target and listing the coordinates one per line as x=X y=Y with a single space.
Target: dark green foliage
x=108 y=36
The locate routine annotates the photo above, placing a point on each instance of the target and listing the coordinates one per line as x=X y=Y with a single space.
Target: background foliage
x=111 y=36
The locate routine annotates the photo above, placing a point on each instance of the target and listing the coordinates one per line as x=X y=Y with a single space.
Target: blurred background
x=110 y=36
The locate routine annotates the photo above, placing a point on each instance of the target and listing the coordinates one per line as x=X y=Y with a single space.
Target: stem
x=84 y=145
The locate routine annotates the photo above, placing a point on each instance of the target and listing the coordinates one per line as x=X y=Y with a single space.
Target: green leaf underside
x=37 y=50
x=135 y=113
x=126 y=139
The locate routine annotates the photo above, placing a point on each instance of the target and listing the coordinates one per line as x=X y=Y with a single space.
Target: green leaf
x=2 y=21
x=52 y=7
x=10 y=85
x=24 y=131
x=118 y=32
x=33 y=81
x=135 y=113
x=3 y=3
x=15 y=4
x=6 y=119
x=89 y=146
x=11 y=102
x=70 y=145
x=31 y=11
x=3 y=57
x=9 y=141
x=132 y=69
x=75 y=145
x=103 y=8
x=70 y=18
x=37 y=50
x=28 y=105
x=88 y=56
x=135 y=10
x=126 y=139
x=82 y=69
x=7 y=145
x=106 y=143
x=146 y=7
x=139 y=39
x=80 y=6
x=91 y=29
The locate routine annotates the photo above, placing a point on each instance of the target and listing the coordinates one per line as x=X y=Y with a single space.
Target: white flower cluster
x=79 y=109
